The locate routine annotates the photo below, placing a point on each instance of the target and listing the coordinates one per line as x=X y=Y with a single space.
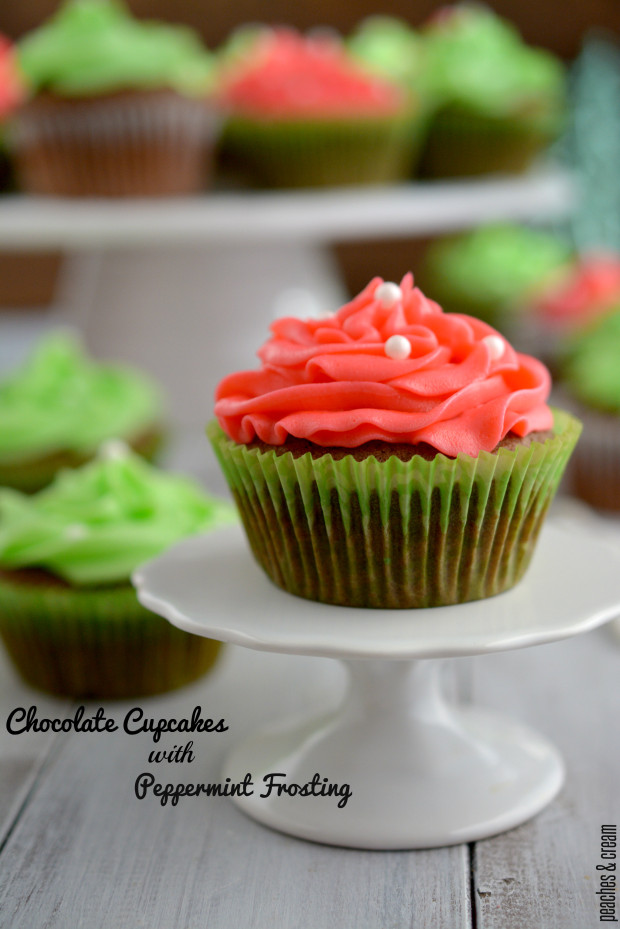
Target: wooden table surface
x=80 y=851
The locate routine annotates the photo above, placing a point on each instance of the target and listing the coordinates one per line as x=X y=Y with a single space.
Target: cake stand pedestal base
x=395 y=767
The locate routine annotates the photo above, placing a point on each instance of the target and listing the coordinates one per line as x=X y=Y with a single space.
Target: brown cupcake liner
x=148 y=143
x=395 y=534
x=94 y=643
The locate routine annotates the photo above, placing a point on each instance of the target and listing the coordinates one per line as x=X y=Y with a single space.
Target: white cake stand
x=421 y=773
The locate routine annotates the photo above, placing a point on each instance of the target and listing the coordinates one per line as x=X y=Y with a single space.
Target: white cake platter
x=394 y=766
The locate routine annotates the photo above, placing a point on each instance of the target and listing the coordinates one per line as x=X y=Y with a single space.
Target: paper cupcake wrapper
x=313 y=153
x=395 y=534
x=126 y=145
x=463 y=144
x=95 y=644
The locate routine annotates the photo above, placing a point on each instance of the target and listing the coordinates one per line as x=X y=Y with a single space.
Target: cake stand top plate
x=210 y=585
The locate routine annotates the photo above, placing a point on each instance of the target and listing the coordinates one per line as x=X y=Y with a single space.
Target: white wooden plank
x=543 y=874
x=87 y=854
x=21 y=756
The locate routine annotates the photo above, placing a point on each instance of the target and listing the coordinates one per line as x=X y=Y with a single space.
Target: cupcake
x=569 y=301
x=69 y=617
x=59 y=405
x=590 y=374
x=118 y=107
x=390 y=47
x=491 y=271
x=391 y=455
x=500 y=101
x=302 y=112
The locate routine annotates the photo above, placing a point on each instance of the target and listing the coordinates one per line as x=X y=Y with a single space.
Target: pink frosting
x=289 y=75
x=332 y=382
x=11 y=85
x=587 y=290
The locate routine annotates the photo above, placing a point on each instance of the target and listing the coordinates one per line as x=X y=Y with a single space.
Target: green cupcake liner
x=395 y=534
x=314 y=153
x=94 y=643
x=461 y=143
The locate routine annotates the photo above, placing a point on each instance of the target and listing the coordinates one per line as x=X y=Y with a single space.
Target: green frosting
x=61 y=400
x=591 y=367
x=495 y=264
x=95 y=46
x=96 y=524
x=477 y=61
x=390 y=47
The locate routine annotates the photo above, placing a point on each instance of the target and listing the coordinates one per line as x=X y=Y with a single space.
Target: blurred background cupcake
x=569 y=301
x=489 y=272
x=69 y=617
x=500 y=102
x=59 y=405
x=117 y=106
x=303 y=112
x=589 y=373
x=392 y=48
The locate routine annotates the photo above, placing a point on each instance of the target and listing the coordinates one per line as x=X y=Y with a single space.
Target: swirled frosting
x=60 y=399
x=95 y=524
x=477 y=59
x=96 y=46
x=391 y=366
x=286 y=75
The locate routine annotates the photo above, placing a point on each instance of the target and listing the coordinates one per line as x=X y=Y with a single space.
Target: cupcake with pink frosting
x=303 y=112
x=391 y=455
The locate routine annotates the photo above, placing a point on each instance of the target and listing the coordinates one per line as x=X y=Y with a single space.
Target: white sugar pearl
x=113 y=449
x=388 y=294
x=76 y=532
x=397 y=347
x=495 y=345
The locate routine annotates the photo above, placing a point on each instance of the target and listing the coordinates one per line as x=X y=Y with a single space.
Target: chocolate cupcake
x=590 y=374
x=500 y=102
x=302 y=112
x=69 y=617
x=391 y=455
x=117 y=106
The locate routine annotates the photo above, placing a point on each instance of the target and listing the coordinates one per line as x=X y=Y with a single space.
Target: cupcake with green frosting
x=69 y=617
x=59 y=405
x=118 y=106
x=500 y=101
x=491 y=271
x=391 y=47
x=590 y=374
x=391 y=455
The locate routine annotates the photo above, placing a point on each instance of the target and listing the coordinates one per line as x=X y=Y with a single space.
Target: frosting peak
x=332 y=382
